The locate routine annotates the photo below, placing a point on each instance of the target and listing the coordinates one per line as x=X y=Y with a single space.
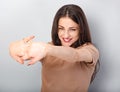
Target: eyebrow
x=60 y=25
x=69 y=27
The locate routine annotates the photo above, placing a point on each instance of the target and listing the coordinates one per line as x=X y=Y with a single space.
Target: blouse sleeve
x=87 y=53
x=94 y=53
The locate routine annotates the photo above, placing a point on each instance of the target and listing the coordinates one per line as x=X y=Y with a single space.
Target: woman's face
x=68 y=31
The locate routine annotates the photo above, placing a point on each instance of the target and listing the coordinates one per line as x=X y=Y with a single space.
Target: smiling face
x=68 y=31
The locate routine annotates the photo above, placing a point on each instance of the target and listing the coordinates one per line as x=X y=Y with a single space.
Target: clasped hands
x=26 y=49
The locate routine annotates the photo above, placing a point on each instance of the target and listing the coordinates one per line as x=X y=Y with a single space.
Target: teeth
x=66 y=40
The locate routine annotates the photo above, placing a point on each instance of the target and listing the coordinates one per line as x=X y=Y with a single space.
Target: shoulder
x=51 y=43
x=88 y=46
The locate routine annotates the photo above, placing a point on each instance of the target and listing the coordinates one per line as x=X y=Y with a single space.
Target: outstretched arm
x=85 y=53
x=35 y=51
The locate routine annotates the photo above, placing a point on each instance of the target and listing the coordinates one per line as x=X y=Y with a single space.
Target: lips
x=67 y=40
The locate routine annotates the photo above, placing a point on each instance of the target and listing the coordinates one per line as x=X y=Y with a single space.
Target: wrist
x=44 y=49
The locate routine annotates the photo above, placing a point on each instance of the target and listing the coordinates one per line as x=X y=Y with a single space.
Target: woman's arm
x=85 y=53
x=35 y=51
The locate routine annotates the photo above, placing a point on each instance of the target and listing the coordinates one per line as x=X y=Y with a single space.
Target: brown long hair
x=77 y=15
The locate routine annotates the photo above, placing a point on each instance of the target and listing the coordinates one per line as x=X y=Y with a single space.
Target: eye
x=73 y=29
x=60 y=28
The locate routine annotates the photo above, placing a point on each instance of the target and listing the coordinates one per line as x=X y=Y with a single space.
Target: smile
x=66 y=40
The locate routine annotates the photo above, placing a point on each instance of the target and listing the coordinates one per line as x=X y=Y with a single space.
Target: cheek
x=59 y=34
x=76 y=36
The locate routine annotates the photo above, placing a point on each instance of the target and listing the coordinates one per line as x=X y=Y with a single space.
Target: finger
x=27 y=39
x=32 y=61
x=19 y=59
x=25 y=57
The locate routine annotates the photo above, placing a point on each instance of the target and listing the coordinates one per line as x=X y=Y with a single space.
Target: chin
x=66 y=45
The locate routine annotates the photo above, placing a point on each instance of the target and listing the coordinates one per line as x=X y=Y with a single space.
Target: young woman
x=69 y=61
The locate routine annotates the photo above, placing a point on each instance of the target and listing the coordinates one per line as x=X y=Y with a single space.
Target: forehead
x=67 y=22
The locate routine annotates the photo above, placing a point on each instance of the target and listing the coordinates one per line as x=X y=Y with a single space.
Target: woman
x=69 y=61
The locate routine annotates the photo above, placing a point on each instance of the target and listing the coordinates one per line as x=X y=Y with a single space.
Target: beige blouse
x=63 y=75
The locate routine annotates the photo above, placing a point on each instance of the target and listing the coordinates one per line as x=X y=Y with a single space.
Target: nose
x=66 y=34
